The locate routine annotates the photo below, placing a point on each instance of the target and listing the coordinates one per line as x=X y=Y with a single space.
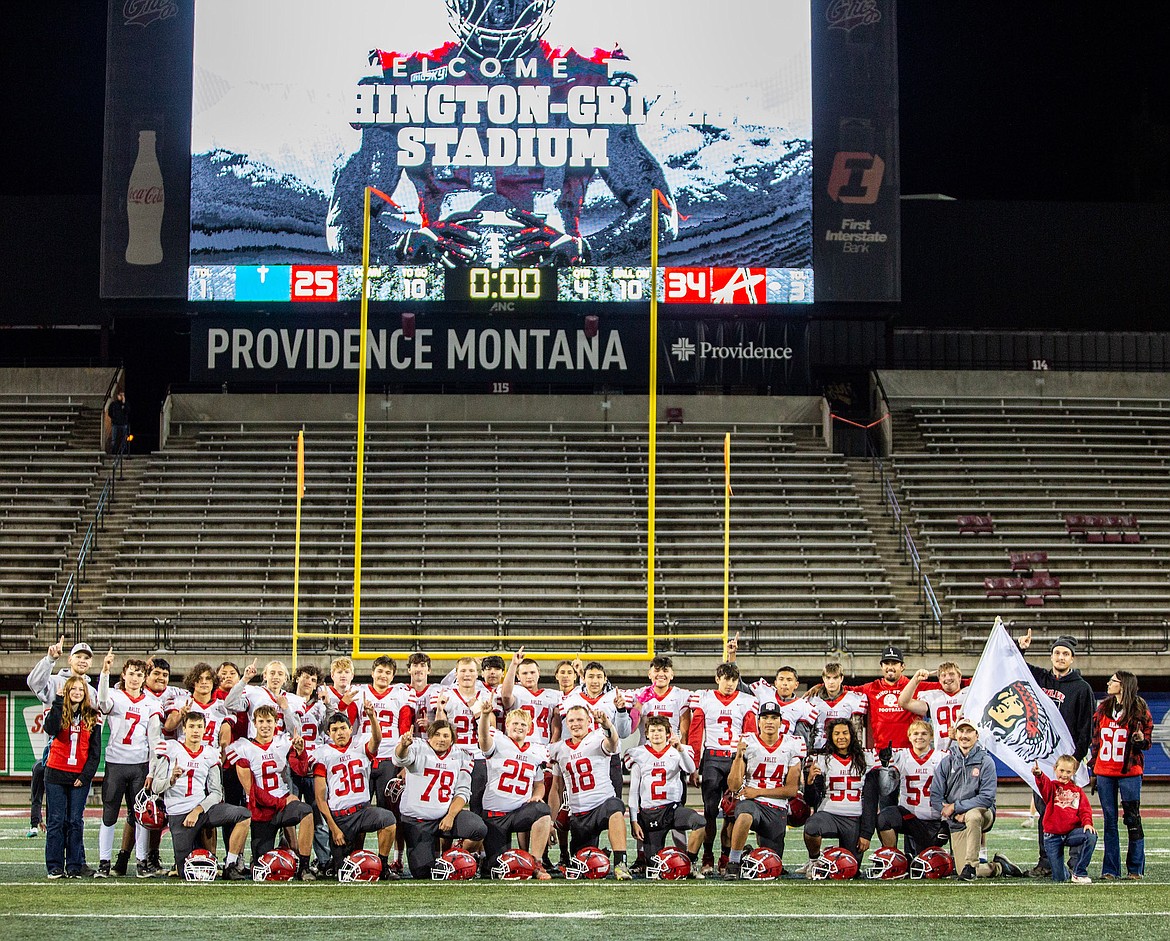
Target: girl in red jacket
x=74 y=748
x=1068 y=820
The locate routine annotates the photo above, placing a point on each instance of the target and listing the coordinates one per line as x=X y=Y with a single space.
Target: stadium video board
x=513 y=146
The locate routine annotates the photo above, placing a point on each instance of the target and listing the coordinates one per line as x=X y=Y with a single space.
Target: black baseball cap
x=892 y=653
x=770 y=709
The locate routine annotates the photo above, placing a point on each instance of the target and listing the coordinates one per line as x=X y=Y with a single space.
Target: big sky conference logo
x=144 y=12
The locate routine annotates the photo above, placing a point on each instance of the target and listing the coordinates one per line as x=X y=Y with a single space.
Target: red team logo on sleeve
x=314 y=283
x=716 y=285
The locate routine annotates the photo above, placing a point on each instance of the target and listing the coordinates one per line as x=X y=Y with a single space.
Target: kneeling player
x=343 y=789
x=514 y=799
x=913 y=815
x=848 y=808
x=582 y=761
x=186 y=773
x=767 y=768
x=438 y=788
x=262 y=764
x=658 y=772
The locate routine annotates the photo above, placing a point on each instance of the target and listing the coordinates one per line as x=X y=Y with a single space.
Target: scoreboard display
x=512 y=148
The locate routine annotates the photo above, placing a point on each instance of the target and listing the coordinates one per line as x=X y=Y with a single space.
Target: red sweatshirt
x=1066 y=806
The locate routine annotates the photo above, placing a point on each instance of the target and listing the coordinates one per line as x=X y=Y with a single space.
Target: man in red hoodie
x=1068 y=820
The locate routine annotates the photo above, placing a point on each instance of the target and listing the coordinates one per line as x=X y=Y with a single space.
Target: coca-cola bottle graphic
x=144 y=205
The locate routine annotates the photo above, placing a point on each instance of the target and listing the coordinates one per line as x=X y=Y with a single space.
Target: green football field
x=32 y=908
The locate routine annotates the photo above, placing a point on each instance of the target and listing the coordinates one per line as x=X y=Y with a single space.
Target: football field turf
x=33 y=908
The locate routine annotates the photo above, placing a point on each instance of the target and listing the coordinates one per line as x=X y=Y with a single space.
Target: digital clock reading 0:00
x=505 y=284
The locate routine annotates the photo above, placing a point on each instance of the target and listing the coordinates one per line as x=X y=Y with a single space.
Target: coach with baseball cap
x=46 y=684
x=1074 y=698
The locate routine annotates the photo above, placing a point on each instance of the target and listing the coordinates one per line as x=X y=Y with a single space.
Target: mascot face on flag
x=1018 y=719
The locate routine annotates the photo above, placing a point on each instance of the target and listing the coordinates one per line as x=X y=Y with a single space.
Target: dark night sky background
x=1033 y=100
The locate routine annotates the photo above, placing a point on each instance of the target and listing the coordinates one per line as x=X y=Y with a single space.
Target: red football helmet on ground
x=362 y=866
x=761 y=864
x=275 y=866
x=589 y=863
x=668 y=864
x=200 y=866
x=932 y=863
x=454 y=865
x=149 y=811
x=514 y=865
x=888 y=863
x=562 y=818
x=798 y=811
x=834 y=863
x=394 y=789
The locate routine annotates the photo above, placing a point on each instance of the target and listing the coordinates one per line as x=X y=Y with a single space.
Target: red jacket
x=1066 y=806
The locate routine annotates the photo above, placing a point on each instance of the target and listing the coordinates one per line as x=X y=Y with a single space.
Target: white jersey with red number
x=944 y=710
x=793 y=712
x=311 y=718
x=916 y=776
x=766 y=766
x=346 y=772
x=512 y=772
x=672 y=703
x=268 y=763
x=394 y=708
x=842 y=784
x=459 y=714
x=718 y=722
x=659 y=775
x=128 y=719
x=424 y=711
x=541 y=704
x=214 y=715
x=433 y=780
x=189 y=790
x=166 y=697
x=845 y=706
x=585 y=768
x=254 y=698
x=353 y=710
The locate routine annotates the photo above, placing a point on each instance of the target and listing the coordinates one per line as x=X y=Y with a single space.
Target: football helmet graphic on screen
x=932 y=863
x=499 y=29
x=149 y=811
x=275 y=866
x=514 y=865
x=362 y=866
x=887 y=863
x=834 y=863
x=454 y=865
x=761 y=864
x=668 y=865
x=200 y=866
x=589 y=863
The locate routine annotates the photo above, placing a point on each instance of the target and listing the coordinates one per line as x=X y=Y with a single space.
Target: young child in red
x=1068 y=820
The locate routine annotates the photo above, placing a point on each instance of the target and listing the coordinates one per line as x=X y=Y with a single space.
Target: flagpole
x=297 y=544
x=726 y=532
x=361 y=428
x=653 y=422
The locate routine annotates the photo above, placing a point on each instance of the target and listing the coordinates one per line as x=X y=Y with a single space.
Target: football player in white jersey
x=269 y=693
x=913 y=815
x=836 y=702
x=129 y=713
x=840 y=775
x=764 y=775
x=658 y=772
x=514 y=799
x=719 y=719
x=186 y=773
x=342 y=776
x=454 y=704
x=341 y=694
x=418 y=665
x=306 y=702
x=943 y=705
x=798 y=716
x=436 y=794
x=394 y=705
x=662 y=698
x=539 y=703
x=581 y=762
x=597 y=694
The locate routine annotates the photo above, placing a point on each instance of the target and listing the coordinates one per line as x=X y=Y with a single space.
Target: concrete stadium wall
x=77 y=383
x=911 y=384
